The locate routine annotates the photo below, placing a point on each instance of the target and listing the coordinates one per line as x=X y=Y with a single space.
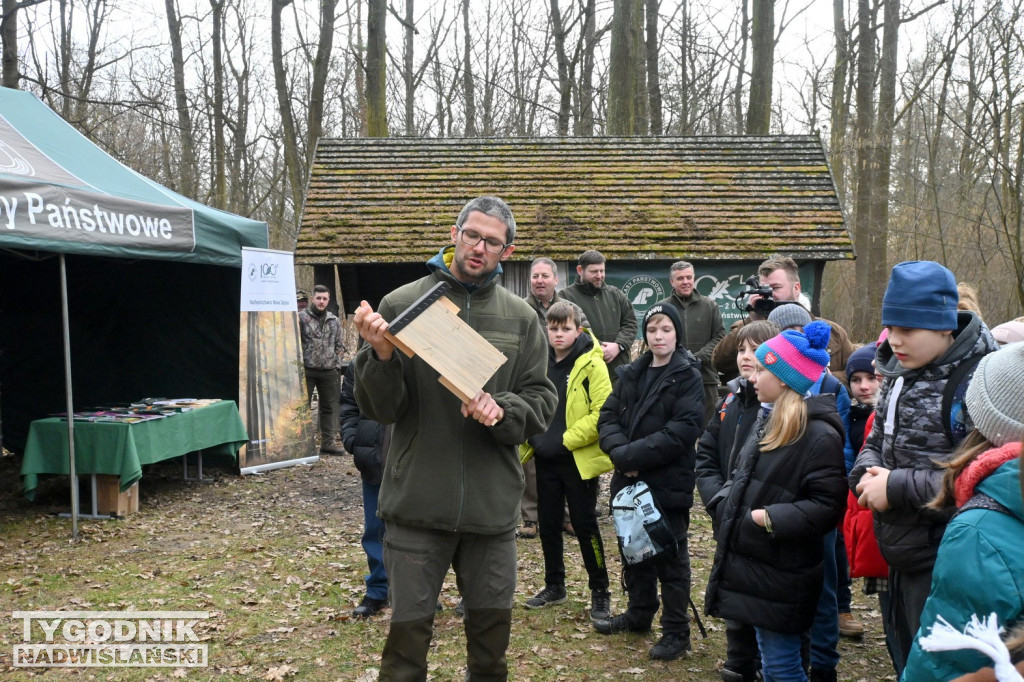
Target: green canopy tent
x=147 y=280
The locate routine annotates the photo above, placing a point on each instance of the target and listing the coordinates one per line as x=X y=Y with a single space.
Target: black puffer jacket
x=719 y=447
x=655 y=433
x=363 y=438
x=773 y=580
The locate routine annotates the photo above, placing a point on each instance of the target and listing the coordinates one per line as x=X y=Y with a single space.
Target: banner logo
x=643 y=290
x=110 y=639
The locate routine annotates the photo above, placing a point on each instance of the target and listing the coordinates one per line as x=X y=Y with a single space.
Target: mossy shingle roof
x=391 y=200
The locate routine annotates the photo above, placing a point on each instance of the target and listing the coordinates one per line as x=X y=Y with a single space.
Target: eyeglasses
x=472 y=238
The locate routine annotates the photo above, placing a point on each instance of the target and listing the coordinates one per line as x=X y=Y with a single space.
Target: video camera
x=762 y=306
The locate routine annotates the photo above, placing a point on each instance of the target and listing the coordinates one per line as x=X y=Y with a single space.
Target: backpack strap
x=954 y=409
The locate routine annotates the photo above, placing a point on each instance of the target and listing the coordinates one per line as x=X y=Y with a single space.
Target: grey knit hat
x=788 y=315
x=995 y=396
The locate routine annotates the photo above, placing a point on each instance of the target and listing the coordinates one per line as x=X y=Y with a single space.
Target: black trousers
x=673 y=574
x=558 y=484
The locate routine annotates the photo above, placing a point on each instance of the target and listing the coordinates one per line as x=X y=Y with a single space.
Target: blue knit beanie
x=921 y=295
x=797 y=358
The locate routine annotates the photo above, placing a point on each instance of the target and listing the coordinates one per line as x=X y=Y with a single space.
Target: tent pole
x=67 y=393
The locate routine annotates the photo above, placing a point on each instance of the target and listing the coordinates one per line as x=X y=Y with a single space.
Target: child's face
x=769 y=387
x=745 y=358
x=561 y=335
x=914 y=348
x=661 y=337
x=864 y=387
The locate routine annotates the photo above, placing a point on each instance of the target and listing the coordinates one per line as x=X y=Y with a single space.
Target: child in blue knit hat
x=897 y=472
x=787 y=494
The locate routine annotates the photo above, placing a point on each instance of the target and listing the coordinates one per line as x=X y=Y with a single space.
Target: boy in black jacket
x=648 y=426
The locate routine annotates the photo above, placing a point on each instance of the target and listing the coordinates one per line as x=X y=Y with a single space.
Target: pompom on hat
x=995 y=396
x=1008 y=332
x=797 y=358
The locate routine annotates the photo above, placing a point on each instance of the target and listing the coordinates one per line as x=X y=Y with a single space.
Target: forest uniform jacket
x=773 y=580
x=979 y=570
x=322 y=340
x=609 y=314
x=587 y=389
x=542 y=312
x=655 y=433
x=445 y=471
x=702 y=330
x=907 y=438
x=719 y=448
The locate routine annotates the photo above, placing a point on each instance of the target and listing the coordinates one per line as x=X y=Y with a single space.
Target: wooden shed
x=377 y=209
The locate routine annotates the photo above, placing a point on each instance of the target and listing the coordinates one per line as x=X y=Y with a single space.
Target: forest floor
x=276 y=561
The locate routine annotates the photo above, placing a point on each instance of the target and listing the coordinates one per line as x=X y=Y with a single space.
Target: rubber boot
x=828 y=675
x=487 y=636
x=405 y=651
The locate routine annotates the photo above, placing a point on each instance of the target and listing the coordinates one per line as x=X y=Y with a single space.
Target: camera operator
x=779 y=276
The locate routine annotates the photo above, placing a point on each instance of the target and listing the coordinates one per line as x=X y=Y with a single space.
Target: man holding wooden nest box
x=452 y=483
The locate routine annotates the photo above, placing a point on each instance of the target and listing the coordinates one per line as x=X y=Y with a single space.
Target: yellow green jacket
x=583 y=403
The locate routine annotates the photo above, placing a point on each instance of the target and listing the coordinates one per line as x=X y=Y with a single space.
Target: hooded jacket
x=445 y=471
x=654 y=433
x=719 y=447
x=979 y=570
x=909 y=439
x=773 y=580
x=609 y=313
x=365 y=439
x=586 y=390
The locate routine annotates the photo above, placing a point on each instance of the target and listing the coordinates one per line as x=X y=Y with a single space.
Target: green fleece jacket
x=587 y=389
x=445 y=471
x=610 y=314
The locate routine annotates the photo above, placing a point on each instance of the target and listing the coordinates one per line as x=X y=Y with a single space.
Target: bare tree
x=759 y=110
x=652 y=52
x=187 y=169
x=625 y=103
x=376 y=70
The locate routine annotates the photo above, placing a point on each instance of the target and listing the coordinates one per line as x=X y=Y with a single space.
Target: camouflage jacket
x=909 y=439
x=321 y=340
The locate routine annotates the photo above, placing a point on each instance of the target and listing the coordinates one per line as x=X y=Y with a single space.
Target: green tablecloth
x=120 y=449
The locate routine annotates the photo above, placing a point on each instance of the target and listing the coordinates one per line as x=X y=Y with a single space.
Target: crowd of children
x=930 y=422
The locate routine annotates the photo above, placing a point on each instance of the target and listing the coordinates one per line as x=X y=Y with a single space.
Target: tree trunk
x=321 y=66
x=376 y=70
x=187 y=169
x=653 y=73
x=759 y=112
x=220 y=198
x=586 y=83
x=624 y=113
x=467 y=73
x=863 y=227
x=407 y=69
x=562 y=60
x=741 y=69
x=878 y=274
x=290 y=138
x=840 y=104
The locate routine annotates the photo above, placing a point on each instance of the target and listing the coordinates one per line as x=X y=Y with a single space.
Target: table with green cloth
x=120 y=449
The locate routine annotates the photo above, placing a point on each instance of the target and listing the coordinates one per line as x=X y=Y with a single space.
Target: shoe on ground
x=460 y=609
x=671 y=646
x=617 y=624
x=850 y=626
x=733 y=676
x=600 y=605
x=527 y=531
x=549 y=596
x=331 y=449
x=369 y=607
x=568 y=529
